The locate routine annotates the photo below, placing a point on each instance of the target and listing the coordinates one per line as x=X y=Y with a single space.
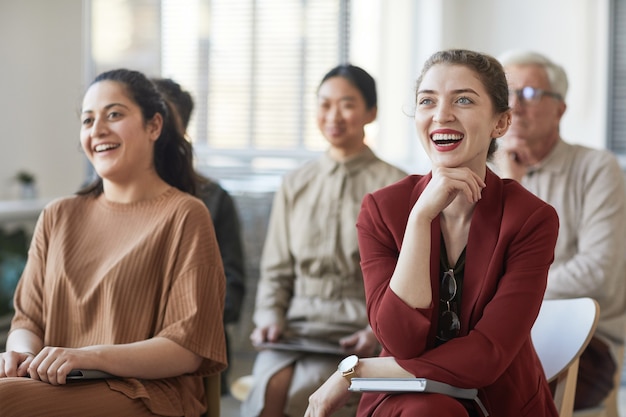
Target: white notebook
x=410 y=385
x=404 y=385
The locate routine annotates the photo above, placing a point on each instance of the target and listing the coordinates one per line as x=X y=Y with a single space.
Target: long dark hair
x=173 y=154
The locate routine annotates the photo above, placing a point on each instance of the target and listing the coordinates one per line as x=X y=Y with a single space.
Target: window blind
x=258 y=66
x=252 y=67
x=617 y=77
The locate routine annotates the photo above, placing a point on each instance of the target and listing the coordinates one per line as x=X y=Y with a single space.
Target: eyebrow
x=458 y=91
x=107 y=107
x=343 y=98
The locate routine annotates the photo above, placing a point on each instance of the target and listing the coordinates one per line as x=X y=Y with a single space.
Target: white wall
x=574 y=33
x=40 y=93
x=41 y=74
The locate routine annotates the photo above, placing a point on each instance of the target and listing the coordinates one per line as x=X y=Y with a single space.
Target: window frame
x=616 y=114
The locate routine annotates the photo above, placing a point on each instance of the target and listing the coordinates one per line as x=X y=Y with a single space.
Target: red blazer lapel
x=482 y=241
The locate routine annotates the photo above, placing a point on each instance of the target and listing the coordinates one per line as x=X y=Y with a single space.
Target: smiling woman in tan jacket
x=311 y=284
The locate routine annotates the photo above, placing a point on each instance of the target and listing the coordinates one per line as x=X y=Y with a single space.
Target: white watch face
x=348 y=363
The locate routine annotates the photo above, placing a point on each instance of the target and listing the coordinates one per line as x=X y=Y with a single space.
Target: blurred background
x=253 y=67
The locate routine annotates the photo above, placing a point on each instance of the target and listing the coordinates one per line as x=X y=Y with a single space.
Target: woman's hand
x=513 y=158
x=264 y=334
x=446 y=184
x=328 y=398
x=21 y=347
x=362 y=343
x=53 y=364
x=14 y=364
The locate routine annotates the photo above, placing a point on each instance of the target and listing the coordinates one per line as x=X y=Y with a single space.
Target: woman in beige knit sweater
x=125 y=277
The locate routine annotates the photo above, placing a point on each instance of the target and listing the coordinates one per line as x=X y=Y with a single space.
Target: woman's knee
x=276 y=393
x=15 y=396
x=280 y=381
x=10 y=387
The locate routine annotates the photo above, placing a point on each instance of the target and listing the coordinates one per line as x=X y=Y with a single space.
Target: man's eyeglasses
x=449 y=323
x=531 y=95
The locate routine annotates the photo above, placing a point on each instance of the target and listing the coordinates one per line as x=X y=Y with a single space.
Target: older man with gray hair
x=586 y=187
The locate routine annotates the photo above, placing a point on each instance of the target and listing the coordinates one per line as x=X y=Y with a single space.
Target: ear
x=371 y=115
x=154 y=126
x=561 y=109
x=502 y=124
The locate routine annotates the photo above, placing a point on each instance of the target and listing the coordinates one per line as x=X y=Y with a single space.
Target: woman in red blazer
x=455 y=262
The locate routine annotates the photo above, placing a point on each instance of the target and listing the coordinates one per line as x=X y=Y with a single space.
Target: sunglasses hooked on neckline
x=449 y=323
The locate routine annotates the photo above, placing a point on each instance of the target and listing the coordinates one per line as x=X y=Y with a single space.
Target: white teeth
x=447 y=136
x=105 y=147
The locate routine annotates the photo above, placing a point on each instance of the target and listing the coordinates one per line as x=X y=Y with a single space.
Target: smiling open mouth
x=105 y=147
x=443 y=139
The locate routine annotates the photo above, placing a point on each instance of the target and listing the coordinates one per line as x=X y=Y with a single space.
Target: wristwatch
x=347 y=367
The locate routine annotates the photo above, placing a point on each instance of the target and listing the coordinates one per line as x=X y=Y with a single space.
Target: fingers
x=517 y=152
x=366 y=347
x=258 y=335
x=274 y=332
x=22 y=369
x=15 y=364
x=362 y=343
x=475 y=188
x=52 y=365
x=472 y=186
x=349 y=341
x=449 y=182
x=311 y=410
x=265 y=334
x=513 y=163
x=8 y=366
x=329 y=397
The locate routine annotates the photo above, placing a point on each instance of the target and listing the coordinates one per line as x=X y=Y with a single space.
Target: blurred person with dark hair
x=225 y=218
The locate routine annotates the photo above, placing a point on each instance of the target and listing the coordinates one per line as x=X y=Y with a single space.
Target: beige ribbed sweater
x=107 y=273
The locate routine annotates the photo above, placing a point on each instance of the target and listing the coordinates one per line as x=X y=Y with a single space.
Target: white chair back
x=560 y=334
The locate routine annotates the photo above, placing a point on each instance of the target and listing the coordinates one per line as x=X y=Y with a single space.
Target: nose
x=333 y=114
x=443 y=113
x=98 y=127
